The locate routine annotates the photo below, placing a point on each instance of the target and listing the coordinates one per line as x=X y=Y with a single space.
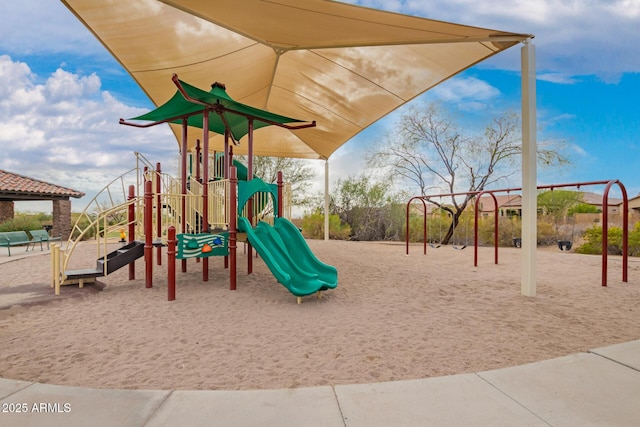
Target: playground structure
x=218 y=203
x=150 y=211
x=478 y=194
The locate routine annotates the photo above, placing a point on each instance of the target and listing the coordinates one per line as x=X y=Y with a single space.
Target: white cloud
x=577 y=150
x=63 y=85
x=591 y=37
x=66 y=130
x=559 y=78
x=467 y=89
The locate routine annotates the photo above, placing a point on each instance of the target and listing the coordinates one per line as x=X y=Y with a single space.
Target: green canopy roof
x=189 y=102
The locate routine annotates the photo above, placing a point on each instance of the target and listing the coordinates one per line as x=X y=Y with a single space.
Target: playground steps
x=115 y=260
x=121 y=257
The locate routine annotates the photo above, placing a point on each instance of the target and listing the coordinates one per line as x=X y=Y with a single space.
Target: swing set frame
x=478 y=194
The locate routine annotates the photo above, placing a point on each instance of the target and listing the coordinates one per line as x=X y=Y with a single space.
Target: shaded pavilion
x=344 y=65
x=15 y=187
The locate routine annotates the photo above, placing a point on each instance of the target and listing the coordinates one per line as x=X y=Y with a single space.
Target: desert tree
x=428 y=150
x=369 y=206
x=297 y=172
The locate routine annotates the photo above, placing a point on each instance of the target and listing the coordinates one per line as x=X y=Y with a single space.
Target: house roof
x=596 y=199
x=504 y=201
x=19 y=187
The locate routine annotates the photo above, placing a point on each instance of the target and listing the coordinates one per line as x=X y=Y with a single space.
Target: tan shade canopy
x=342 y=65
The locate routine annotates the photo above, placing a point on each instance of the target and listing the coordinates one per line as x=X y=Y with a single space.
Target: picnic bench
x=14 y=238
x=40 y=236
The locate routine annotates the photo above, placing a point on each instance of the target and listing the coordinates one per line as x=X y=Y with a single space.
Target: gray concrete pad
x=316 y=406
x=8 y=387
x=578 y=390
x=458 y=400
x=52 y=405
x=627 y=353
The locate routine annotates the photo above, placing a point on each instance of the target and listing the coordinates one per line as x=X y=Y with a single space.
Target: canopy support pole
x=205 y=189
x=529 y=172
x=326 y=200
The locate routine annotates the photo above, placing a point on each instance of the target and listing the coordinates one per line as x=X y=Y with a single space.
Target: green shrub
x=436 y=229
x=508 y=229
x=416 y=229
x=83 y=224
x=547 y=233
x=593 y=241
x=313 y=227
x=583 y=208
x=634 y=240
x=21 y=223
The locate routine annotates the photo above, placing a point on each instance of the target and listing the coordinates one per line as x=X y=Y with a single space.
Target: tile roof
x=504 y=201
x=596 y=199
x=12 y=184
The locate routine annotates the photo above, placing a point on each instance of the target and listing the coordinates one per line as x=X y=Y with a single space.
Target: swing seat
x=459 y=248
x=564 y=245
x=434 y=246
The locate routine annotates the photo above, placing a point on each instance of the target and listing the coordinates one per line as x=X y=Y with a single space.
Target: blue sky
x=62 y=93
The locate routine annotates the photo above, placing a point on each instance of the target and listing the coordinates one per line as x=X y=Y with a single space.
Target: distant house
x=508 y=205
x=418 y=208
x=634 y=208
x=595 y=199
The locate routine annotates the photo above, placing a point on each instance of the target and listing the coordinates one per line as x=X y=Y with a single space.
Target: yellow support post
x=53 y=265
x=56 y=265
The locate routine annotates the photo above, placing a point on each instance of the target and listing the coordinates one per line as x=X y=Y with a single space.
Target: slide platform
x=287 y=255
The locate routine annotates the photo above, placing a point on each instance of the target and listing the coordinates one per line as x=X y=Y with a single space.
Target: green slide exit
x=287 y=255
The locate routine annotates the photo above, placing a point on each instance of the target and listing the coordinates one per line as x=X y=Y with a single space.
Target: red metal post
x=250 y=204
x=158 y=213
x=171 y=260
x=495 y=227
x=605 y=231
x=233 y=224
x=280 y=200
x=148 y=233
x=132 y=227
x=424 y=224
x=625 y=232
x=424 y=228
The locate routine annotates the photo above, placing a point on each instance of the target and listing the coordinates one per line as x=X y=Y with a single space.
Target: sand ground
x=392 y=317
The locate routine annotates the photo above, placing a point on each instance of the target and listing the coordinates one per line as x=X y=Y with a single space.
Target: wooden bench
x=39 y=236
x=14 y=238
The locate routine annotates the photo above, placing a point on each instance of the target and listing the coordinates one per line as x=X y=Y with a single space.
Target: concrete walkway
x=597 y=388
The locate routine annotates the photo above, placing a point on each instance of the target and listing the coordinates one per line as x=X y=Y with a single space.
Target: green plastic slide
x=302 y=254
x=292 y=263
